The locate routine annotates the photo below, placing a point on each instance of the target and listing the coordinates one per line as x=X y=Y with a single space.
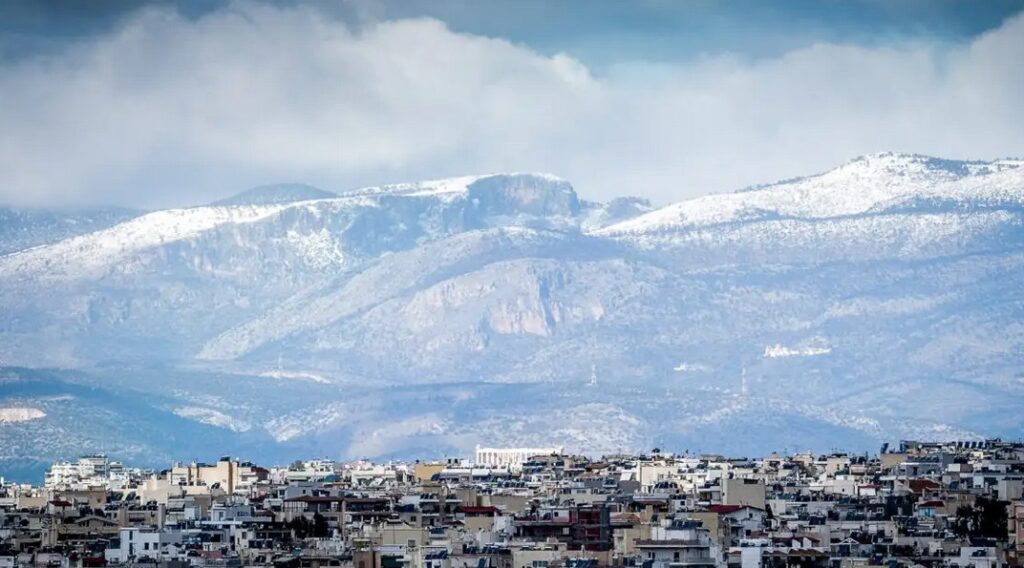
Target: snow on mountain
x=599 y=215
x=284 y=375
x=777 y=350
x=484 y=307
x=396 y=274
x=90 y=254
x=870 y=183
x=212 y=417
x=173 y=280
x=20 y=414
x=22 y=228
x=385 y=218
x=461 y=185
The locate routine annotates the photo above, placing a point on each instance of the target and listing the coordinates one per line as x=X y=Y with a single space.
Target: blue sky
x=606 y=32
x=163 y=103
x=600 y=33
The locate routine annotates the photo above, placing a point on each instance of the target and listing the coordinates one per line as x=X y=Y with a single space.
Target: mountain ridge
x=883 y=292
x=275 y=193
x=803 y=197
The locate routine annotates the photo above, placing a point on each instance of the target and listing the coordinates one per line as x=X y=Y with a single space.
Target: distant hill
x=276 y=193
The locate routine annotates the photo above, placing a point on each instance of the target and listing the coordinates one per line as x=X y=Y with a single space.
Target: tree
x=993 y=518
x=962 y=524
x=300 y=527
x=320 y=528
x=988 y=518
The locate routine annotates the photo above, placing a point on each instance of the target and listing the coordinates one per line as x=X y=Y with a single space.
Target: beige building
x=743 y=492
x=426 y=471
x=228 y=474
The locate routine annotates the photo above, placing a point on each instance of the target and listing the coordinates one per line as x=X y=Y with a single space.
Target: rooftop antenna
x=593 y=376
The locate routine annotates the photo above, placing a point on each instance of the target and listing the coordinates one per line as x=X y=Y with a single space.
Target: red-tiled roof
x=921 y=485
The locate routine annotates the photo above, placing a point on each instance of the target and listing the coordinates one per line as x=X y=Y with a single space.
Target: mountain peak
x=532 y=194
x=276 y=193
x=911 y=165
x=460 y=184
x=495 y=194
x=872 y=182
x=896 y=157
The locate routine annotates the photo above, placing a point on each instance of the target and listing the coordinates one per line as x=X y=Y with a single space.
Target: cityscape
x=956 y=505
x=512 y=283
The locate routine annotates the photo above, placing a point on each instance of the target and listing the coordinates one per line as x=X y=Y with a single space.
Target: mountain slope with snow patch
x=844 y=309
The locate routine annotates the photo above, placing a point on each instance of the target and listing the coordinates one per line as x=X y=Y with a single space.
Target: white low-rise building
x=512 y=458
x=135 y=543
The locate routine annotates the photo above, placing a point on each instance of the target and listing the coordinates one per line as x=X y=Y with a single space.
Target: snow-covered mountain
x=872 y=184
x=22 y=228
x=863 y=304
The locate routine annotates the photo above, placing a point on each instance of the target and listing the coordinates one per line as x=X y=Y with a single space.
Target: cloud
x=167 y=110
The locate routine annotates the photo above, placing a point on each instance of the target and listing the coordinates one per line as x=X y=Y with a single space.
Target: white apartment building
x=88 y=471
x=134 y=543
x=512 y=458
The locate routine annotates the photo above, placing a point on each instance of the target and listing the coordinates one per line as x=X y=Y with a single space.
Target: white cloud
x=167 y=110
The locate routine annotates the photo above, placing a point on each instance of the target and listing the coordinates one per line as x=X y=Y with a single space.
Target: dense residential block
x=954 y=505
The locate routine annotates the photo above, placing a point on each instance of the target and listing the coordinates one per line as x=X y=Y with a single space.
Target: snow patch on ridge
x=295 y=376
x=20 y=414
x=814 y=348
x=685 y=367
x=213 y=418
x=318 y=248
